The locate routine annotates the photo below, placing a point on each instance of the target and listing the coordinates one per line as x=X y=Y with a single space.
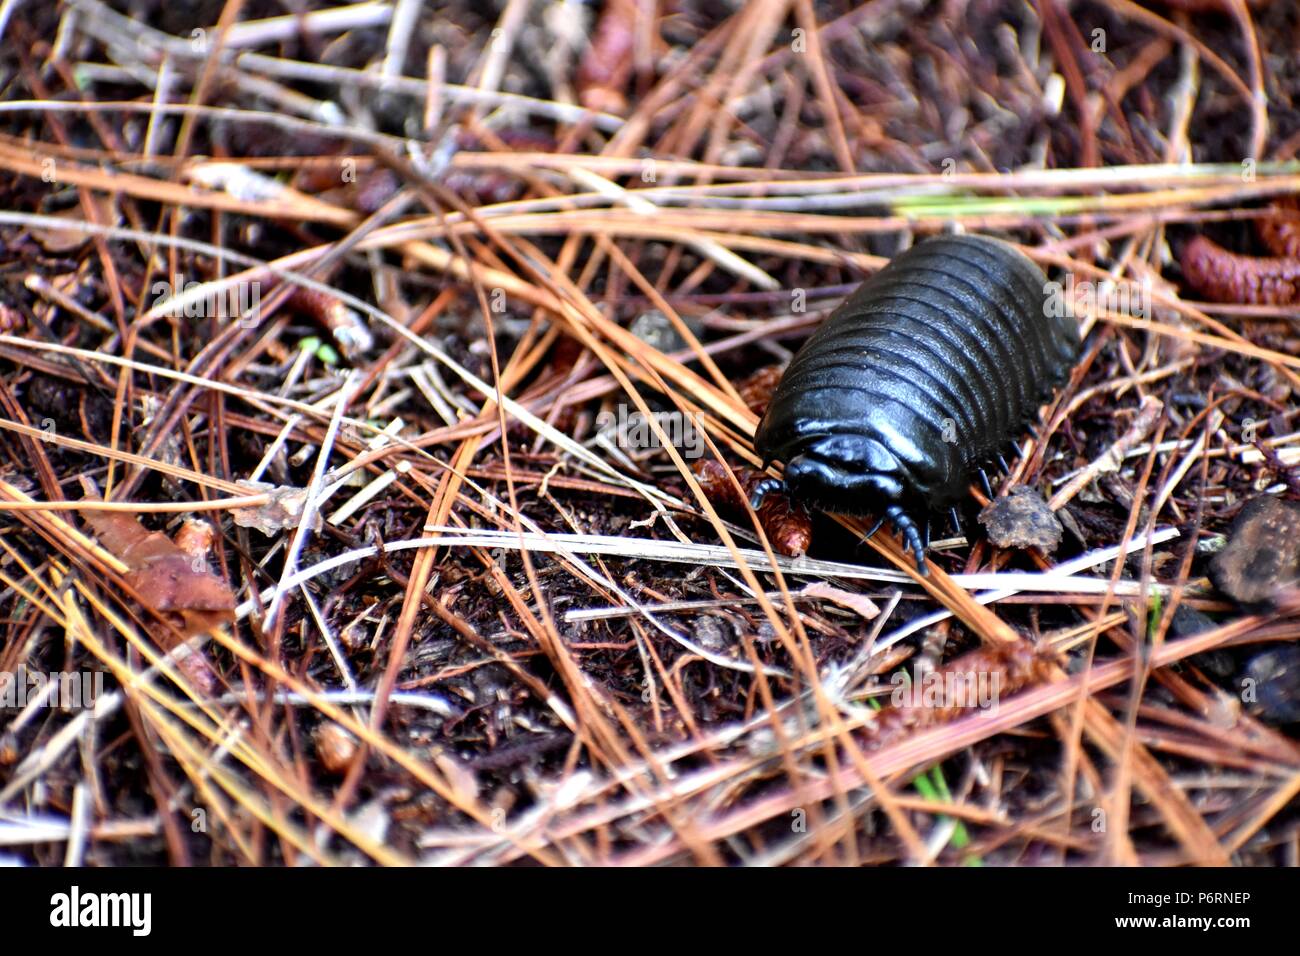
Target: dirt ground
x=326 y=480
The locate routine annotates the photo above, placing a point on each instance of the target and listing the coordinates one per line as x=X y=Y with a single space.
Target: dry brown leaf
x=284 y=510
x=175 y=584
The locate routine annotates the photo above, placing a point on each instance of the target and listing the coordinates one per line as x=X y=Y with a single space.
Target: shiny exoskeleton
x=916 y=381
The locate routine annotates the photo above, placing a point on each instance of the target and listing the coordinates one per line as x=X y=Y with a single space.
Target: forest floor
x=324 y=344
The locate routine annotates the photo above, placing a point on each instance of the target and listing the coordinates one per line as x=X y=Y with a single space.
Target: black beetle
x=917 y=380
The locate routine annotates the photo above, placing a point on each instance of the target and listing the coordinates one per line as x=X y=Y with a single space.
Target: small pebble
x=1263 y=551
x=1188 y=621
x=1022 y=520
x=335 y=747
x=655 y=329
x=1271 y=685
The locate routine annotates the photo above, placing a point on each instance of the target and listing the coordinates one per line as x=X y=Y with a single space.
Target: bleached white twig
x=1062 y=580
x=1013 y=583
x=314 y=496
x=317 y=22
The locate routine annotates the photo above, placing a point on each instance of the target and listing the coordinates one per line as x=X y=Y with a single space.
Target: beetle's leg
x=956 y=519
x=1006 y=469
x=907 y=528
x=984 y=479
x=762 y=488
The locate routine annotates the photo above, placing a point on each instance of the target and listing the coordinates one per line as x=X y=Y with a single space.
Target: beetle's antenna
x=874 y=529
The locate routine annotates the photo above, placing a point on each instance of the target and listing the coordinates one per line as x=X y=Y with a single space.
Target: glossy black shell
x=930 y=367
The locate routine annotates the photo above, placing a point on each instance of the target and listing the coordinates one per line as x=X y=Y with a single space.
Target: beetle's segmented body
x=916 y=380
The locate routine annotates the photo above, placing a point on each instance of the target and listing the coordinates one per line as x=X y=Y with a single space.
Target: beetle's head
x=846 y=474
